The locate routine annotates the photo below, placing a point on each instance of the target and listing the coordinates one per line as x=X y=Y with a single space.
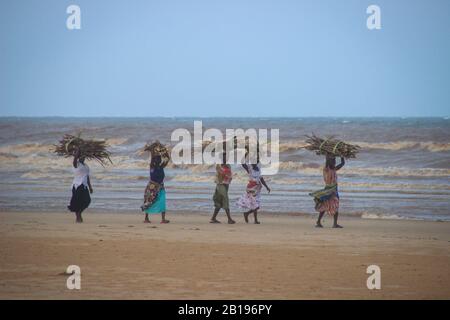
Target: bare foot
x=319 y=225
x=337 y=226
x=246 y=216
x=147 y=221
x=165 y=221
x=214 y=221
x=231 y=222
x=257 y=222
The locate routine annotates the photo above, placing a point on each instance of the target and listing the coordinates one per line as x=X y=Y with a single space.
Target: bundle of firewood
x=331 y=146
x=157 y=149
x=89 y=149
x=226 y=143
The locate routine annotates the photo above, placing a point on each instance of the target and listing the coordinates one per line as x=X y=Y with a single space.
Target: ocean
x=402 y=171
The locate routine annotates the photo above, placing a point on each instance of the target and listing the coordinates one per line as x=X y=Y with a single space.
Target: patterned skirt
x=151 y=194
x=327 y=199
x=159 y=205
x=251 y=199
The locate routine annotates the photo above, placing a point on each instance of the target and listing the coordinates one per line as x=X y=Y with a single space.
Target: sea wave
x=54 y=163
x=314 y=169
x=237 y=178
x=25 y=149
x=46 y=149
x=390 y=146
x=405 y=145
x=116 y=141
x=396 y=172
x=385 y=216
x=31 y=156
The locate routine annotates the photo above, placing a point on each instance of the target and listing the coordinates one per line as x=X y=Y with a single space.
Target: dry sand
x=283 y=258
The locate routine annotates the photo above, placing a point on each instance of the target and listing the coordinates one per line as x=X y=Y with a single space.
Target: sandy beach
x=283 y=258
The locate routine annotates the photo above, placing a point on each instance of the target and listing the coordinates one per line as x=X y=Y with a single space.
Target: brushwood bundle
x=157 y=149
x=226 y=143
x=89 y=149
x=331 y=146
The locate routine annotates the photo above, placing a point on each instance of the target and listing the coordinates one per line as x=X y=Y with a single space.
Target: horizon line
x=232 y=117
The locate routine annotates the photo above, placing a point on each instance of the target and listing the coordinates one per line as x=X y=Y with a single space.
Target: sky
x=234 y=58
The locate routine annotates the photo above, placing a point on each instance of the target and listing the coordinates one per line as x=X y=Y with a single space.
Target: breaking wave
x=384 y=216
x=391 y=146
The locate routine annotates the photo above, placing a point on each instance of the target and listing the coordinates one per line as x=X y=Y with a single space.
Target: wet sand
x=283 y=258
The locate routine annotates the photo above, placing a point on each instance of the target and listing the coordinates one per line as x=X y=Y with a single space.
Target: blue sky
x=225 y=58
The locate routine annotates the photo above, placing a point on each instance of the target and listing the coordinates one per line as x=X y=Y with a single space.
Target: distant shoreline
x=237 y=214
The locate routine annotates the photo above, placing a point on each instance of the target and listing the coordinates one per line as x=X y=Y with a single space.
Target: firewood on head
x=330 y=146
x=88 y=149
x=157 y=149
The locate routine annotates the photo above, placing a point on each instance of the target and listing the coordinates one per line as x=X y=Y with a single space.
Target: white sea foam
x=384 y=216
x=50 y=162
x=390 y=146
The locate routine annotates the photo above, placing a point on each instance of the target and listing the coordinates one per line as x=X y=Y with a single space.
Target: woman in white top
x=251 y=199
x=81 y=187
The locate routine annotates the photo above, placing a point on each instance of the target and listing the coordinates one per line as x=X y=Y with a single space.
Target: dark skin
x=331 y=164
x=216 y=210
x=154 y=163
x=255 y=211
x=78 y=158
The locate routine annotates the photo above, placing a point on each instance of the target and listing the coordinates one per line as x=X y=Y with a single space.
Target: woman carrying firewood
x=81 y=150
x=155 y=194
x=327 y=200
x=251 y=199
x=81 y=186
